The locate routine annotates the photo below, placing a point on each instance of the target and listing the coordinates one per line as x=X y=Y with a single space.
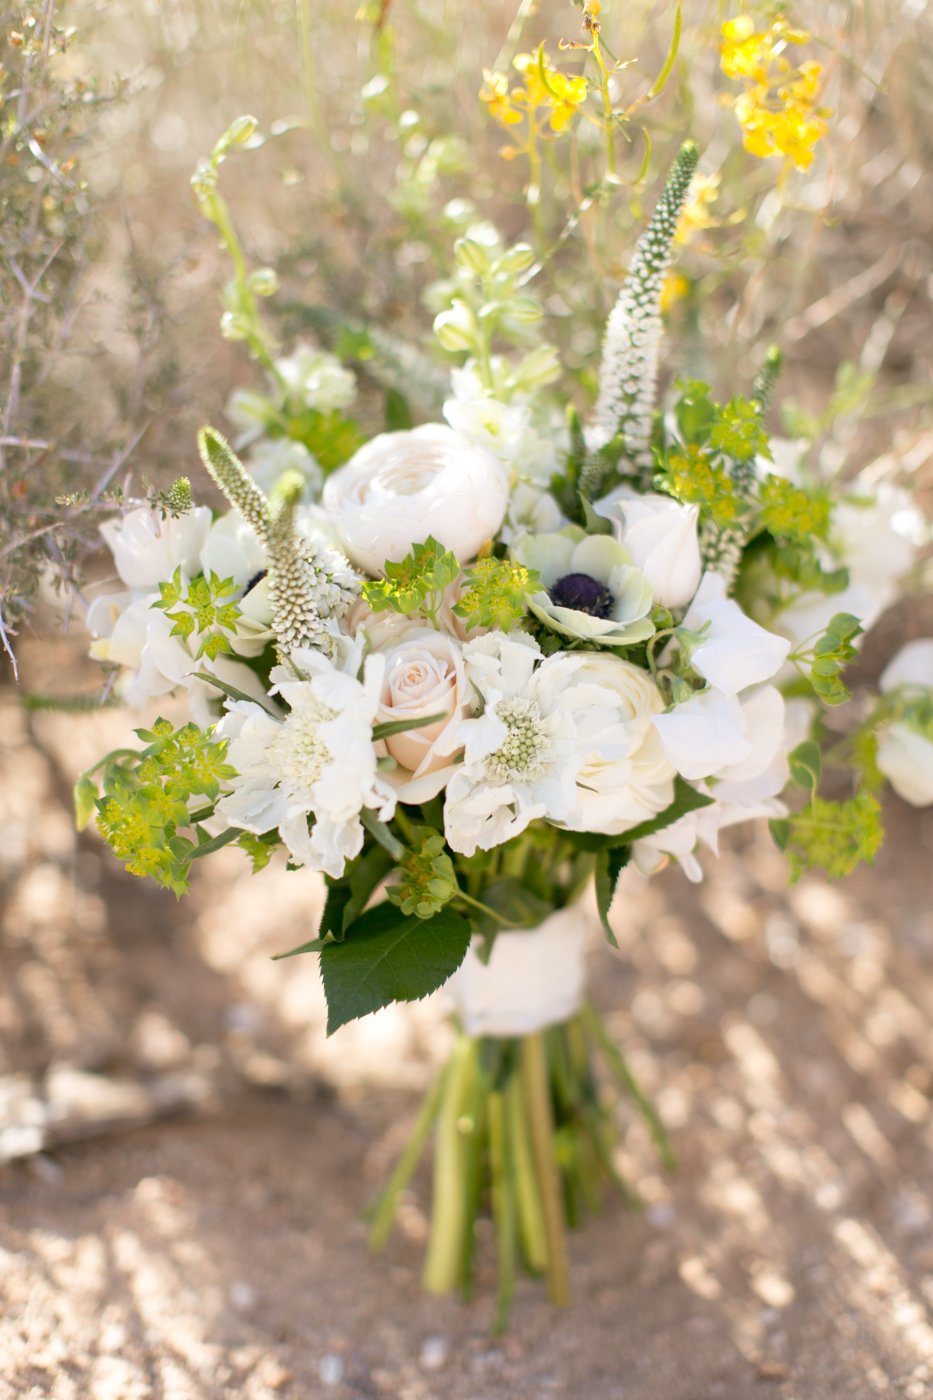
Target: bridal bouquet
x=470 y=670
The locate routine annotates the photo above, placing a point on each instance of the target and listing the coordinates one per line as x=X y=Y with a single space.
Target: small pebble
x=243 y=1296
x=330 y=1369
x=434 y=1353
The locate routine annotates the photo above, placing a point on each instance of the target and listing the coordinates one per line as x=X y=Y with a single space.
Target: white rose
x=402 y=487
x=627 y=778
x=424 y=675
x=148 y=547
x=734 y=651
x=661 y=537
x=905 y=749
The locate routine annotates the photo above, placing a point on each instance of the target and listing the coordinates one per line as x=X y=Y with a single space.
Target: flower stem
x=527 y=1196
x=478 y=904
x=503 y=1204
x=383 y=1209
x=449 y=1206
x=619 y=1066
x=537 y=1093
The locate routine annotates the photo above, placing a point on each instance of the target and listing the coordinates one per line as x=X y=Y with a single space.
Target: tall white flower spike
x=629 y=371
x=310 y=586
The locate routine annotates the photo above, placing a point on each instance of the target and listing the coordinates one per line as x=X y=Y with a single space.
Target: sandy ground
x=220 y=1251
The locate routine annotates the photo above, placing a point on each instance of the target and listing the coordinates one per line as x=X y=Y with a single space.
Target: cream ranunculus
x=660 y=534
x=627 y=778
x=402 y=487
x=424 y=675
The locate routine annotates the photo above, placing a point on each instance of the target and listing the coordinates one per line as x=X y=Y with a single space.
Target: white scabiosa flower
x=522 y=755
x=311 y=772
x=592 y=590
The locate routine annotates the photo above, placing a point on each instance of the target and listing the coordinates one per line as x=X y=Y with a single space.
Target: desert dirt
x=218 y=1248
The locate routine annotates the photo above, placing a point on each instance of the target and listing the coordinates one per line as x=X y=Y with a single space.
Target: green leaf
x=216 y=843
x=85 y=795
x=402 y=726
x=609 y=866
x=398 y=415
x=686 y=799
x=381 y=833
x=389 y=957
x=660 y=81
x=364 y=876
x=806 y=765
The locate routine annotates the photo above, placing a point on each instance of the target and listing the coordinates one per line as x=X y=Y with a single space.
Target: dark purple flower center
x=584 y=593
x=257 y=578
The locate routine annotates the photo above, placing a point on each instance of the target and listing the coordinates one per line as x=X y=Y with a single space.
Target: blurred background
x=218 y=1248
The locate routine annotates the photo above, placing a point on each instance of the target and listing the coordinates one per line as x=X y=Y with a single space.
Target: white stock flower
x=905 y=747
x=733 y=652
x=317 y=380
x=905 y=757
x=626 y=778
x=591 y=588
x=317 y=761
x=717 y=734
x=522 y=755
x=424 y=675
x=148 y=547
x=660 y=535
x=402 y=487
x=910 y=669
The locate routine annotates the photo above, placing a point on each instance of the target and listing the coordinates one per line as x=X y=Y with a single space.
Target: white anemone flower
x=592 y=591
x=523 y=754
x=317 y=761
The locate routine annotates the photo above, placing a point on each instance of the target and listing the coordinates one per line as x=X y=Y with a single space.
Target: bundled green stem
x=518 y=1122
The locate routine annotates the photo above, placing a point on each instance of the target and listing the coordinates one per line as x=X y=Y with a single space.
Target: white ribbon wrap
x=534 y=978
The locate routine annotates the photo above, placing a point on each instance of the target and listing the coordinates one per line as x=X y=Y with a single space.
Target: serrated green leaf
x=388 y=957
x=609 y=866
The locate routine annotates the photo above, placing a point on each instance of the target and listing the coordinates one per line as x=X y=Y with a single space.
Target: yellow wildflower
x=779 y=111
x=675 y=288
x=696 y=216
x=545 y=92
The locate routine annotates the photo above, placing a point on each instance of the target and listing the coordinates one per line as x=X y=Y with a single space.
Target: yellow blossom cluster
x=545 y=94
x=779 y=111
